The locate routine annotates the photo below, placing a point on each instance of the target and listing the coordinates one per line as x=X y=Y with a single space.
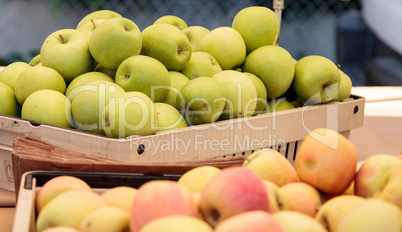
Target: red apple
x=326 y=160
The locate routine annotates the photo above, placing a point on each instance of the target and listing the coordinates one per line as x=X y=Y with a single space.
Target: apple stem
x=339 y=66
x=93 y=22
x=62 y=39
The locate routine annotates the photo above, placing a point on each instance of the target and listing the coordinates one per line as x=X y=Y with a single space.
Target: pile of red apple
x=323 y=191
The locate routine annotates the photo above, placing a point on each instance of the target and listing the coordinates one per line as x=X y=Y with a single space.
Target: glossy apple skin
x=326 y=160
x=234 y=190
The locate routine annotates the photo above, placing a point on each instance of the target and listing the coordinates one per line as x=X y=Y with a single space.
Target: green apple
x=84 y=79
x=115 y=40
x=240 y=92
x=261 y=93
x=107 y=218
x=111 y=73
x=168 y=44
x=345 y=87
x=35 y=60
x=37 y=78
x=8 y=103
x=201 y=64
x=274 y=65
x=316 y=79
x=132 y=113
x=11 y=72
x=195 y=35
x=172 y=20
x=258 y=26
x=275 y=105
x=226 y=45
x=169 y=117
x=196 y=178
x=144 y=74
x=89 y=103
x=48 y=106
x=100 y=14
x=66 y=51
x=201 y=100
x=177 y=81
x=90 y=26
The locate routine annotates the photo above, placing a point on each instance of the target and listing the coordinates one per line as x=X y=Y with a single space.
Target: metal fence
x=308 y=26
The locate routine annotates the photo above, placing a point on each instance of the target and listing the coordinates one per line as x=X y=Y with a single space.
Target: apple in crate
x=56 y=186
x=172 y=20
x=332 y=211
x=201 y=64
x=369 y=179
x=255 y=221
x=177 y=81
x=9 y=105
x=121 y=197
x=169 y=118
x=195 y=35
x=61 y=229
x=293 y=221
x=275 y=198
x=391 y=187
x=272 y=166
x=301 y=197
x=196 y=178
x=107 y=218
x=177 y=223
x=11 y=72
x=326 y=160
x=160 y=198
x=100 y=14
x=75 y=205
x=233 y=191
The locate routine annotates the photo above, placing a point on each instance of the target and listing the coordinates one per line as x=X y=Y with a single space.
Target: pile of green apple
x=108 y=77
x=323 y=192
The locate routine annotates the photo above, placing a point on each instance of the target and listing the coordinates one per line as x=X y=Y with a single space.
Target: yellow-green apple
x=301 y=197
x=177 y=223
x=316 y=79
x=160 y=198
x=144 y=74
x=293 y=221
x=369 y=177
x=169 y=118
x=274 y=65
x=196 y=178
x=327 y=160
x=99 y=14
x=67 y=52
x=241 y=94
x=256 y=221
x=115 y=40
x=201 y=64
x=276 y=201
x=37 y=78
x=8 y=103
x=390 y=186
x=121 y=197
x=111 y=73
x=132 y=113
x=89 y=101
x=75 y=205
x=56 y=186
x=261 y=93
x=201 y=100
x=372 y=215
x=345 y=88
x=232 y=191
x=258 y=26
x=61 y=229
x=11 y=72
x=35 y=60
x=84 y=79
x=107 y=218
x=172 y=20
x=90 y=26
x=49 y=107
x=332 y=211
x=177 y=81
x=168 y=44
x=195 y=35
x=226 y=45
x=272 y=166
x=275 y=105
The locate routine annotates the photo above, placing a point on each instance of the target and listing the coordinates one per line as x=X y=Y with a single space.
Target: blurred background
x=332 y=28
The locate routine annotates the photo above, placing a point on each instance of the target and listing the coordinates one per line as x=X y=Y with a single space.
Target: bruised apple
x=326 y=160
x=233 y=191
